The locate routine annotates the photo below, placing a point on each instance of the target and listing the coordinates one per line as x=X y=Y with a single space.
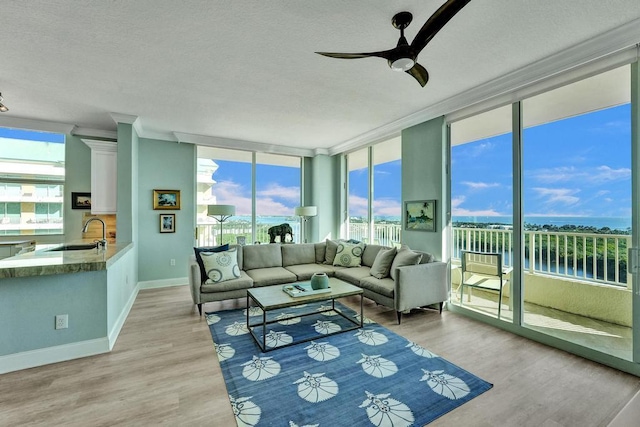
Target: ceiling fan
x=403 y=56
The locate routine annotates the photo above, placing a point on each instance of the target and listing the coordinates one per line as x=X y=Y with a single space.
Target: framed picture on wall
x=80 y=200
x=166 y=199
x=167 y=223
x=420 y=215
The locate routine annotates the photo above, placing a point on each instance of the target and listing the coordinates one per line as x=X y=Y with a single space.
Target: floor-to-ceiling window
x=32 y=175
x=387 y=203
x=358 y=194
x=482 y=201
x=577 y=212
x=277 y=194
x=263 y=188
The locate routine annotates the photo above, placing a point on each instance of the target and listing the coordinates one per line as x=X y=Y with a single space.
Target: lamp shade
x=221 y=210
x=306 y=211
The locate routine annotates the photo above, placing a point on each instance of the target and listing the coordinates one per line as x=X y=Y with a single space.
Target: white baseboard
x=163 y=283
x=59 y=353
x=115 y=331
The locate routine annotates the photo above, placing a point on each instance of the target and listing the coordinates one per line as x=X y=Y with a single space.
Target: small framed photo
x=166 y=199
x=420 y=215
x=167 y=223
x=80 y=200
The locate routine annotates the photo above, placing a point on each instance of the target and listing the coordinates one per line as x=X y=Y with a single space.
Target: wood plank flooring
x=163 y=371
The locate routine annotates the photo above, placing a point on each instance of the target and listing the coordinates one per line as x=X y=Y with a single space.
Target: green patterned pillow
x=221 y=266
x=349 y=254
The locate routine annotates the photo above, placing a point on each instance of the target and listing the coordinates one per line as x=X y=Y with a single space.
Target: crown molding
x=37 y=125
x=236 y=144
x=128 y=119
x=101 y=145
x=94 y=133
x=598 y=47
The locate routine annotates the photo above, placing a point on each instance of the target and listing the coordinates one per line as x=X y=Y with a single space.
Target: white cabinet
x=104 y=156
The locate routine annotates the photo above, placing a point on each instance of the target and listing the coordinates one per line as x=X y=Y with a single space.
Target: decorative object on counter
x=420 y=215
x=304 y=212
x=166 y=199
x=319 y=281
x=280 y=230
x=221 y=213
x=80 y=200
x=167 y=223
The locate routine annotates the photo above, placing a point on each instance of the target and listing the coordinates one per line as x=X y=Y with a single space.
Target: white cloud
x=232 y=193
x=594 y=175
x=274 y=190
x=358 y=206
x=458 y=210
x=557 y=195
x=480 y=185
x=388 y=207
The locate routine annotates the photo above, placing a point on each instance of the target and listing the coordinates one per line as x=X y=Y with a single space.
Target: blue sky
x=578 y=166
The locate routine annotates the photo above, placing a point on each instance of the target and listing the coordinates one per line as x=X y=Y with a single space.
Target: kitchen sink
x=77 y=247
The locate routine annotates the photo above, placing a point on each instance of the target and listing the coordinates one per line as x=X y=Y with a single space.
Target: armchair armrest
x=194 y=280
x=420 y=285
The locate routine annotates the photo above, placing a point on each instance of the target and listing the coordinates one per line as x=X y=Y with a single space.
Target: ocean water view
x=614 y=223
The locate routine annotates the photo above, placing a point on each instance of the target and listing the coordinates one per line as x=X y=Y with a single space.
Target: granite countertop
x=43 y=262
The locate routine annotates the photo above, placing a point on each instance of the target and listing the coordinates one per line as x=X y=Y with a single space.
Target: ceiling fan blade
x=419 y=73
x=382 y=54
x=436 y=22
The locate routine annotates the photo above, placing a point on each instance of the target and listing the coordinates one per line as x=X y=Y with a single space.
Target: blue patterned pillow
x=221 y=266
x=198 y=251
x=349 y=255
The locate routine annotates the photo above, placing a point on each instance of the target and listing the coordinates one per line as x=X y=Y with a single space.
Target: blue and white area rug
x=364 y=377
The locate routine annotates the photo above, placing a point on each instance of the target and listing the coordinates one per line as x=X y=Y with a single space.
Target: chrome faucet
x=101 y=243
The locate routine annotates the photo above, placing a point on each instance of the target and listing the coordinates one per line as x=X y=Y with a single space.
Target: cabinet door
x=104 y=157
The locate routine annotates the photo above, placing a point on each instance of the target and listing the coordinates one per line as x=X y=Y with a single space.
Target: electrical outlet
x=62 y=321
x=173 y=262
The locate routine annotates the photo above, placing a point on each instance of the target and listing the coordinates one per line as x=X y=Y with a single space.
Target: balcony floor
x=602 y=336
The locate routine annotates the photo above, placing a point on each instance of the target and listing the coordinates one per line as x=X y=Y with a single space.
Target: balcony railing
x=585 y=256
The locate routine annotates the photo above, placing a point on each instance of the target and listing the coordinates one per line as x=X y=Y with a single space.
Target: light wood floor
x=163 y=371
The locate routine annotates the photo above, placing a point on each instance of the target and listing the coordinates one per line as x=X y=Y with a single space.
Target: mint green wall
x=77 y=180
x=323 y=191
x=165 y=165
x=29 y=305
x=127 y=150
x=424 y=178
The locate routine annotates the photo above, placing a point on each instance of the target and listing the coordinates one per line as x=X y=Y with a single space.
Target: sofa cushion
x=220 y=266
x=370 y=253
x=271 y=276
x=382 y=264
x=197 y=252
x=261 y=256
x=405 y=256
x=305 y=271
x=349 y=254
x=321 y=249
x=353 y=274
x=330 y=251
x=304 y=253
x=243 y=282
x=384 y=286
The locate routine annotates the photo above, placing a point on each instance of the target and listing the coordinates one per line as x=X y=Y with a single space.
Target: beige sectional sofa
x=407 y=286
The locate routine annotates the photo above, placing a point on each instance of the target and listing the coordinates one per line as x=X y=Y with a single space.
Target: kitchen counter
x=44 y=262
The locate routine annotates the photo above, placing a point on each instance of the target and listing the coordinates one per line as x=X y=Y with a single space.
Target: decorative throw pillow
x=349 y=254
x=330 y=253
x=203 y=272
x=405 y=256
x=221 y=266
x=382 y=264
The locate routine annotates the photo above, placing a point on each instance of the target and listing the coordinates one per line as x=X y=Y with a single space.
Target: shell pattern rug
x=365 y=377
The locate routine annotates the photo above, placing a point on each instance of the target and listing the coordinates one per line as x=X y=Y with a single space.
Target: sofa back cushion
x=321 y=249
x=369 y=254
x=221 y=266
x=405 y=256
x=198 y=251
x=330 y=252
x=382 y=264
x=261 y=256
x=304 y=253
x=426 y=257
x=349 y=254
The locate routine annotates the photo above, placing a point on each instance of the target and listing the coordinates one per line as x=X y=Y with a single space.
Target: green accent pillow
x=330 y=253
x=349 y=254
x=382 y=264
x=221 y=266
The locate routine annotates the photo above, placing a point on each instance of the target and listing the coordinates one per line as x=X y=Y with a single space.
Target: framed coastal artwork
x=166 y=199
x=80 y=200
x=167 y=223
x=420 y=215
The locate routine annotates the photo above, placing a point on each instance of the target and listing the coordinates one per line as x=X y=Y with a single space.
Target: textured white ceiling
x=247 y=70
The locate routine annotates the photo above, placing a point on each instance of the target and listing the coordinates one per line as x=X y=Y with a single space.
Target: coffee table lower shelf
x=255 y=300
